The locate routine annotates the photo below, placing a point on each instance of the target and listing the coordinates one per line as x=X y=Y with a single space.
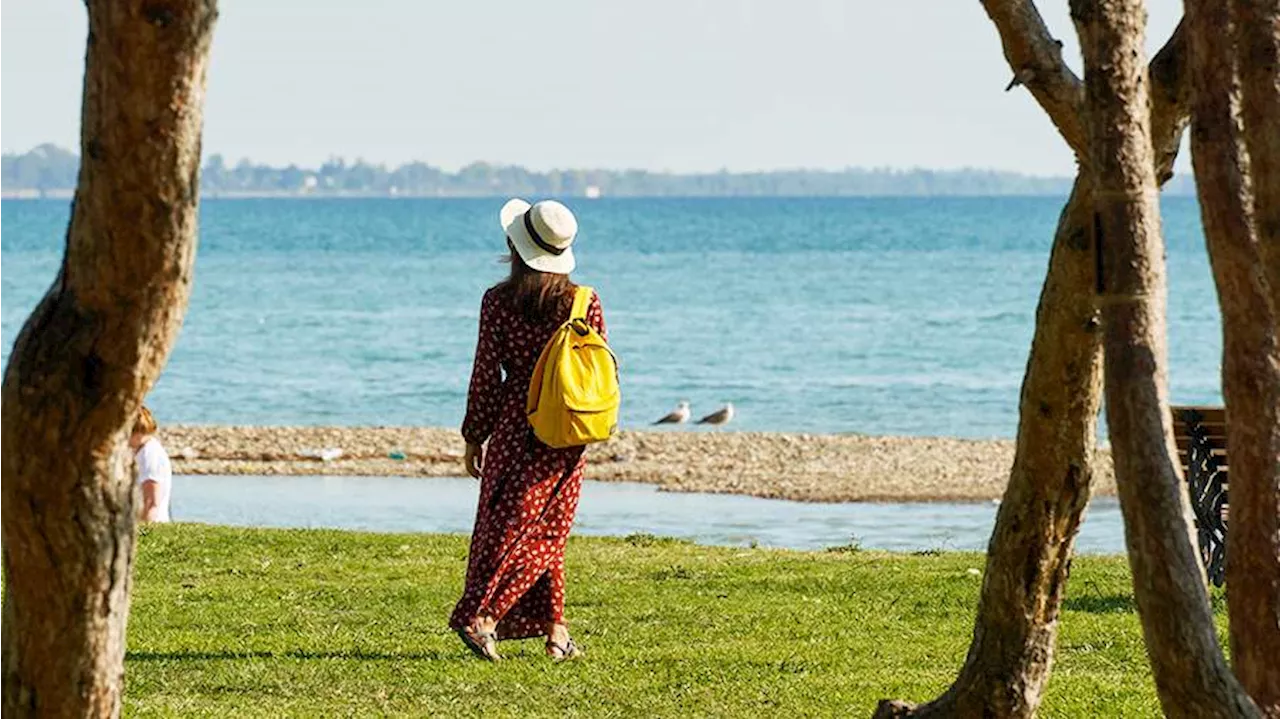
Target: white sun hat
x=542 y=234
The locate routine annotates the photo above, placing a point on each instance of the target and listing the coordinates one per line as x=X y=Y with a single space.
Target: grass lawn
x=325 y=623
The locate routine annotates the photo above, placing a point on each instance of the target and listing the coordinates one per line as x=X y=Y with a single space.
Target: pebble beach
x=799 y=467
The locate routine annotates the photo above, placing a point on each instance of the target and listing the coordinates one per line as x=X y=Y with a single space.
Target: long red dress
x=528 y=491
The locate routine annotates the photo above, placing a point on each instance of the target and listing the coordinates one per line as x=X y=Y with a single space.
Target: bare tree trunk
x=1258 y=60
x=1251 y=381
x=1028 y=557
x=1029 y=553
x=91 y=350
x=1192 y=678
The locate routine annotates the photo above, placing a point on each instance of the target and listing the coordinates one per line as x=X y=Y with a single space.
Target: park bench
x=1201 y=435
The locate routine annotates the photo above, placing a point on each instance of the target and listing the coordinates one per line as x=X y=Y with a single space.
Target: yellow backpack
x=574 y=395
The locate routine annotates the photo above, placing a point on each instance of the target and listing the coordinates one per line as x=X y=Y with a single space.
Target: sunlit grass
x=325 y=623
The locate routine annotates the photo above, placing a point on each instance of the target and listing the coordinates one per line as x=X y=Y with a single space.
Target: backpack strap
x=581 y=301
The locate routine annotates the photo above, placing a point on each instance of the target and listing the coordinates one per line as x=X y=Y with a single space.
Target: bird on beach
x=722 y=416
x=679 y=415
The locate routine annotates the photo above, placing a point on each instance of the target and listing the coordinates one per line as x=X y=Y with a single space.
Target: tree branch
x=1170 y=98
x=1036 y=59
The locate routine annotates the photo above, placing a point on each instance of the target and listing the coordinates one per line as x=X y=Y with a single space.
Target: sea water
x=907 y=316
x=397 y=504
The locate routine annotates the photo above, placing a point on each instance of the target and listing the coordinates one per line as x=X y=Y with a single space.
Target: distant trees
x=45 y=168
x=89 y=353
x=48 y=168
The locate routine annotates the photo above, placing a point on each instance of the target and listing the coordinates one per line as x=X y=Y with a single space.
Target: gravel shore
x=802 y=467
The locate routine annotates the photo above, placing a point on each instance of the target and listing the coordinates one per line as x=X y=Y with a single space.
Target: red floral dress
x=528 y=491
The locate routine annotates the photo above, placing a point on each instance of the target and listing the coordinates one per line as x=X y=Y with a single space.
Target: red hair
x=145 y=423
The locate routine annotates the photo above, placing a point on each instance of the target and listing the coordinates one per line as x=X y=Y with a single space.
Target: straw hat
x=542 y=234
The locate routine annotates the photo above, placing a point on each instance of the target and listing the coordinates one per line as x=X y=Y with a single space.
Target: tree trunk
x=1028 y=557
x=1030 y=548
x=1192 y=678
x=1249 y=369
x=1257 y=31
x=90 y=351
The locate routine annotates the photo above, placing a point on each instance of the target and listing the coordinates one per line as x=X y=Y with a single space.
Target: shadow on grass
x=645 y=539
x=1101 y=604
x=355 y=654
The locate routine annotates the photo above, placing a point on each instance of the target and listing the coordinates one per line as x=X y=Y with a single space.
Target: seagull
x=679 y=415
x=724 y=415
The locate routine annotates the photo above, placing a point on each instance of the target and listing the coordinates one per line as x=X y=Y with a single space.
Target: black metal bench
x=1201 y=435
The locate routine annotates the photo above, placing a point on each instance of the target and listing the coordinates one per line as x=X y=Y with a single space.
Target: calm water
x=882 y=316
x=392 y=504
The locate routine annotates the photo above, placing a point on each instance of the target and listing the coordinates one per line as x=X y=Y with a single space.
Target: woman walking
x=528 y=490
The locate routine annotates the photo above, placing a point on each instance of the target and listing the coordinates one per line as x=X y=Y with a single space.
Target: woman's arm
x=485 y=393
x=473 y=459
x=595 y=317
x=150 y=511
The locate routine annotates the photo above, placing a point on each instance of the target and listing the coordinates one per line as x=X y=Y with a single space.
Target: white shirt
x=153 y=466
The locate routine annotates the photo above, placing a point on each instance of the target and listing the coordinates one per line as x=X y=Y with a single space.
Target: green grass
x=325 y=623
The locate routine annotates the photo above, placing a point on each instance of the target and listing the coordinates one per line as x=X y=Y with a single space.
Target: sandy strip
x=803 y=467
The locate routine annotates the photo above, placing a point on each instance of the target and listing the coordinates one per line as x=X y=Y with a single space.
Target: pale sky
x=680 y=85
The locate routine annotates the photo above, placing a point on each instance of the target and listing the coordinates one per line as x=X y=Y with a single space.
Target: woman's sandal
x=563 y=652
x=481 y=644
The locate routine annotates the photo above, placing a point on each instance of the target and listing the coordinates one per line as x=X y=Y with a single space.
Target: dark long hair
x=539 y=297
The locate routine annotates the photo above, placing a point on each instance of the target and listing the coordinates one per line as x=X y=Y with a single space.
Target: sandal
x=563 y=652
x=481 y=644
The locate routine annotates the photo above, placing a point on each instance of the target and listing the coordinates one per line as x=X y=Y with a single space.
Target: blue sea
x=908 y=316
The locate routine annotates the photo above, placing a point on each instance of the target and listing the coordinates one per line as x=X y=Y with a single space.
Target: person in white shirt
x=155 y=475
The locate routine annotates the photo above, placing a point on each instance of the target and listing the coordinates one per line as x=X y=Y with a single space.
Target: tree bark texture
x=1028 y=557
x=1257 y=32
x=90 y=351
x=1250 y=356
x=1192 y=678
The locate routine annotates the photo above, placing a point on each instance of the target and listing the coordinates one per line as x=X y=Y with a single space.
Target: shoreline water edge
x=771 y=465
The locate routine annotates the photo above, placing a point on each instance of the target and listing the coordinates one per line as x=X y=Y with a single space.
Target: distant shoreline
x=773 y=465
x=56 y=170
